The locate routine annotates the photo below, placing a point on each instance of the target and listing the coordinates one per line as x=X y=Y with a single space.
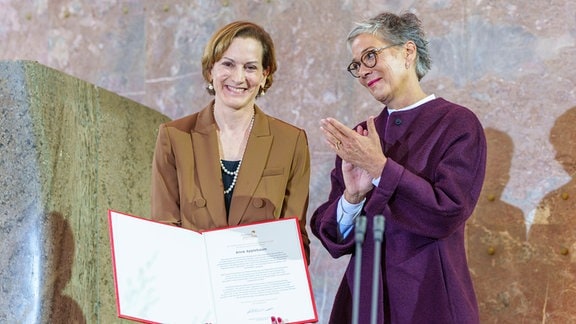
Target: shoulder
x=284 y=126
x=287 y=132
x=286 y=136
x=184 y=124
x=451 y=121
x=199 y=121
x=441 y=105
x=280 y=127
x=451 y=114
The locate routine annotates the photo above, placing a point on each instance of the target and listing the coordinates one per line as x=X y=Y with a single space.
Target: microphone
x=359 y=233
x=378 y=237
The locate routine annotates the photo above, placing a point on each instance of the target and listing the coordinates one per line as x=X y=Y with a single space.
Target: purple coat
x=428 y=189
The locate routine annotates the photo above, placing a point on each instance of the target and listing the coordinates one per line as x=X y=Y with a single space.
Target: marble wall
x=511 y=62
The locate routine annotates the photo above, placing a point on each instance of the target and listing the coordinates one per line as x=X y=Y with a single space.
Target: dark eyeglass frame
x=354 y=66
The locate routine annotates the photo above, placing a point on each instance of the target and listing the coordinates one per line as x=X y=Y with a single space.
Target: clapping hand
x=360 y=146
x=361 y=153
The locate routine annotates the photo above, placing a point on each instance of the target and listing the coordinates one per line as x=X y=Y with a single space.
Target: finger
x=361 y=130
x=339 y=130
x=330 y=133
x=273 y=320
x=325 y=125
x=371 y=127
x=331 y=140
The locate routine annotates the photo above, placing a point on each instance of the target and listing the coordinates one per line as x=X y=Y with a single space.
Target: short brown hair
x=221 y=40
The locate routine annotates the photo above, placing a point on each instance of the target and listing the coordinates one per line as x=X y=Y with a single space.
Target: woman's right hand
x=357 y=181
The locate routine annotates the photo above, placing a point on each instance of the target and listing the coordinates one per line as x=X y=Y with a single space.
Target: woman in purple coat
x=420 y=163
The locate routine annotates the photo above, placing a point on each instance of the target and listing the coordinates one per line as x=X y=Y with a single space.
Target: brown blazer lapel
x=253 y=165
x=206 y=158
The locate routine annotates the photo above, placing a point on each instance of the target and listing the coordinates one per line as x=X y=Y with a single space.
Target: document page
x=244 y=274
x=160 y=271
x=259 y=271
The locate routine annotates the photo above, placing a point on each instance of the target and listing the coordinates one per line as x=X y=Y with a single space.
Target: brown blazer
x=273 y=182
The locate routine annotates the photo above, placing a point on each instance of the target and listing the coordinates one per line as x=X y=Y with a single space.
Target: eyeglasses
x=369 y=59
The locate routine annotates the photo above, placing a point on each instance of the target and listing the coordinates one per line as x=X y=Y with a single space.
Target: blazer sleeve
x=165 y=201
x=297 y=189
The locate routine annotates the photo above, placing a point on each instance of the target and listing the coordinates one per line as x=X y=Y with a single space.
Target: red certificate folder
x=243 y=274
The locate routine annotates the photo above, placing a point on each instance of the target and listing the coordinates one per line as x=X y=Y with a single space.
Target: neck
x=404 y=102
x=233 y=133
x=232 y=120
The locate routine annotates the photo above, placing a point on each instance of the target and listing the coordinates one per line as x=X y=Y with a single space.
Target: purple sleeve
x=437 y=201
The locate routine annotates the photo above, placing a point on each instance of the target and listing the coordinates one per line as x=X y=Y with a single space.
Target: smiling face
x=238 y=75
x=389 y=78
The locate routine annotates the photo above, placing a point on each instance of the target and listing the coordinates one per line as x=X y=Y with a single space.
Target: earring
x=210 y=86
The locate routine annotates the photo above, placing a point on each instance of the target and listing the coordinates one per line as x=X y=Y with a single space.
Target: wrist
x=377 y=170
x=353 y=198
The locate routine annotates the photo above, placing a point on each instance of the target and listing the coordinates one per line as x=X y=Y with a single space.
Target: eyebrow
x=249 y=62
x=369 y=49
x=364 y=52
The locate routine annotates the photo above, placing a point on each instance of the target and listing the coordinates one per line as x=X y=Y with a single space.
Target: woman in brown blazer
x=230 y=163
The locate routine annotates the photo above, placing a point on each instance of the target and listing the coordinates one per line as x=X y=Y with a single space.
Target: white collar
x=414 y=105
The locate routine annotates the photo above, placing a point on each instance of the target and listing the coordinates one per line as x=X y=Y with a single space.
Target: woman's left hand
x=360 y=147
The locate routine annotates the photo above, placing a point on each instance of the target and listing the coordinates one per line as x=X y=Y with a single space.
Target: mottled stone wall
x=511 y=62
x=526 y=271
x=70 y=150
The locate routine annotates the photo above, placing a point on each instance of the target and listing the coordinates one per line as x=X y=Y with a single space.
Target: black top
x=227 y=181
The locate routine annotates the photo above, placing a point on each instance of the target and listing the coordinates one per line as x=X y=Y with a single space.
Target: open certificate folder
x=243 y=274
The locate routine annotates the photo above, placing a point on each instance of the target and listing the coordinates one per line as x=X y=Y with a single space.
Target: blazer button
x=200 y=202
x=398 y=122
x=258 y=203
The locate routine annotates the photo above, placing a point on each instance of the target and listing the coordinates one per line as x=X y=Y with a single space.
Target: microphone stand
x=359 y=233
x=378 y=237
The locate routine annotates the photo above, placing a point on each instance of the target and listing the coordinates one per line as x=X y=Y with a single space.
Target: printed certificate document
x=244 y=274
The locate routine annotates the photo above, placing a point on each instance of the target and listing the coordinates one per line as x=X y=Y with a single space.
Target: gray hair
x=395 y=29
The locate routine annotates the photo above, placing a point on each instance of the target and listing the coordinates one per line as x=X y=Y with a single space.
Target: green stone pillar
x=69 y=150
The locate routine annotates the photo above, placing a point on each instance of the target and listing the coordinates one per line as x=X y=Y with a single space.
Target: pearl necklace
x=232 y=173
x=235 y=173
